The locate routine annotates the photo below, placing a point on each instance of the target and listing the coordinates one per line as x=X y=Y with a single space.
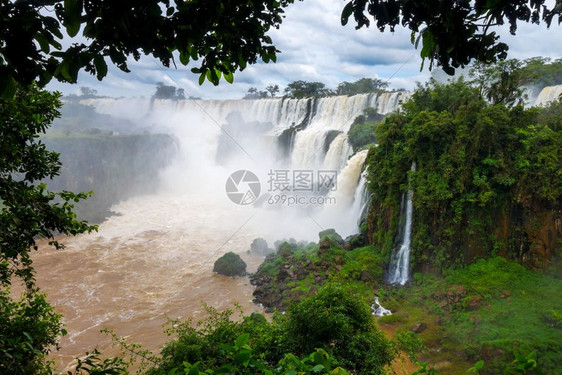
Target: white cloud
x=315 y=47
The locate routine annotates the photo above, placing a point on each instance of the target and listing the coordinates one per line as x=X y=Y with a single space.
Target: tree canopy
x=304 y=89
x=164 y=91
x=452 y=33
x=225 y=35
x=361 y=86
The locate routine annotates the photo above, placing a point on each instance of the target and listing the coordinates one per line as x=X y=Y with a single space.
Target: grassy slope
x=487 y=311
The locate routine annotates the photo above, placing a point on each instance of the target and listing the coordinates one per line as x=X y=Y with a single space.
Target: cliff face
x=114 y=167
x=532 y=235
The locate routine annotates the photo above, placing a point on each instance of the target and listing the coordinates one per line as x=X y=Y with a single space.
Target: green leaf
x=202 y=78
x=428 y=45
x=43 y=42
x=242 y=339
x=101 y=66
x=318 y=368
x=184 y=58
x=243 y=358
x=347 y=11
x=72 y=13
x=7 y=86
x=229 y=77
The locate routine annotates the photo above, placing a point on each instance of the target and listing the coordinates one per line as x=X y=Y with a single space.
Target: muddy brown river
x=153 y=261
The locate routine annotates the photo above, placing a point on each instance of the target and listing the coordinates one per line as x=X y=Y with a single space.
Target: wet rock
x=355 y=241
x=419 y=327
x=230 y=264
x=474 y=303
x=366 y=277
x=324 y=244
x=285 y=250
x=259 y=246
x=332 y=235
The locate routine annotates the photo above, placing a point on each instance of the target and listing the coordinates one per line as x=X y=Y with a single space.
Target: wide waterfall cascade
x=337 y=114
x=548 y=94
x=400 y=260
x=217 y=138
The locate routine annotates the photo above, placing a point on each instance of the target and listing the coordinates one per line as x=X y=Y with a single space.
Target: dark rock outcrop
x=259 y=246
x=230 y=264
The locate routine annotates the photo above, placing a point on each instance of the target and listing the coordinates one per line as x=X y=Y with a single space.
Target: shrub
x=339 y=321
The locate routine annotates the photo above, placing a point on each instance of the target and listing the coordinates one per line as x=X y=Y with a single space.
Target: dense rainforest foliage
x=488 y=178
x=29 y=327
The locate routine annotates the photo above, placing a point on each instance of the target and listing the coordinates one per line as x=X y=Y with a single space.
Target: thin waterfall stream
x=399 y=271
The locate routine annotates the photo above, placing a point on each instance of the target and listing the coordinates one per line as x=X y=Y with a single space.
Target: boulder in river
x=230 y=264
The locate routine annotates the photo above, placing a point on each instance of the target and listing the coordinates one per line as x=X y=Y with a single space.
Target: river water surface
x=153 y=261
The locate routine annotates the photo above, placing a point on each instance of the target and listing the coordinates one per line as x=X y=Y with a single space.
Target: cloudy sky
x=315 y=47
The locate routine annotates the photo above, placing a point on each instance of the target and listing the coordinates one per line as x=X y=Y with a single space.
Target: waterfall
x=548 y=94
x=400 y=260
x=349 y=178
x=378 y=310
x=338 y=152
x=348 y=196
x=275 y=135
x=360 y=199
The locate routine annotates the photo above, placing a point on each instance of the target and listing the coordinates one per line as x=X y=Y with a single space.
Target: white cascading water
x=337 y=154
x=361 y=198
x=337 y=114
x=155 y=258
x=344 y=214
x=378 y=310
x=399 y=271
x=548 y=94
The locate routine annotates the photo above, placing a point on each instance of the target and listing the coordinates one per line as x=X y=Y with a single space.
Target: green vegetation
x=342 y=323
x=488 y=177
x=361 y=86
x=335 y=325
x=77 y=118
x=168 y=92
x=543 y=71
x=361 y=134
x=493 y=310
x=295 y=271
x=28 y=327
x=436 y=29
x=223 y=37
x=303 y=89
